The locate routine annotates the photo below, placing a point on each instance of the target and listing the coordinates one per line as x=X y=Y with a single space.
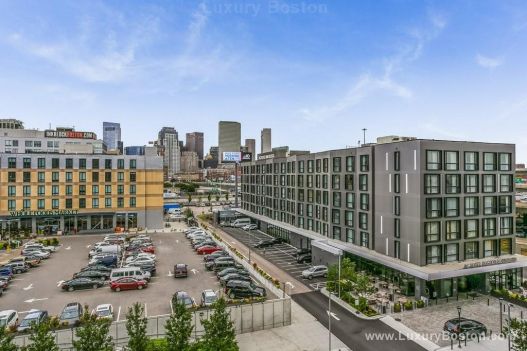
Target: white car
x=142 y=254
x=208 y=297
x=104 y=311
x=36 y=253
x=136 y=260
x=250 y=227
x=8 y=319
x=315 y=271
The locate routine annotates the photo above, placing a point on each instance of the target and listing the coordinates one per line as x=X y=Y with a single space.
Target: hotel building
x=434 y=217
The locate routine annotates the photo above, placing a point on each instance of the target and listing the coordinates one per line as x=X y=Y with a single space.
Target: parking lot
x=281 y=255
x=39 y=288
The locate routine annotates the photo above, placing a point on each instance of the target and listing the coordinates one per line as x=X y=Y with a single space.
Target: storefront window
x=82 y=223
x=107 y=222
x=132 y=220
x=96 y=222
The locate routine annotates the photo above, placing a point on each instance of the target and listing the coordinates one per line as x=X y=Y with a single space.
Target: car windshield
x=103 y=313
x=210 y=298
x=26 y=322
x=69 y=314
x=3 y=321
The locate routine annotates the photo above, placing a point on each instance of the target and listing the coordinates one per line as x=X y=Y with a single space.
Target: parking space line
x=146 y=311
x=118 y=313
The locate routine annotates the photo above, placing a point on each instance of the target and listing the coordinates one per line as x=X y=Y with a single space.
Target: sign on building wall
x=69 y=134
x=247 y=156
x=27 y=213
x=232 y=156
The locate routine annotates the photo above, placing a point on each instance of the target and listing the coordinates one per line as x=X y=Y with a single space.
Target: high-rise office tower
x=250 y=144
x=194 y=143
x=169 y=142
x=266 y=140
x=229 y=138
x=112 y=136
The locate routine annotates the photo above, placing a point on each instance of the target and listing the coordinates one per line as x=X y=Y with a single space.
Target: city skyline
x=392 y=72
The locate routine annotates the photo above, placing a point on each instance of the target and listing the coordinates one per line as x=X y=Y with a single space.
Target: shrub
x=408 y=305
x=55 y=242
x=397 y=307
x=420 y=304
x=157 y=345
x=2 y=246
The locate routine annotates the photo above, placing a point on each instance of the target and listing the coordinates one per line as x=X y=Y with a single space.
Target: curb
x=345 y=305
x=409 y=333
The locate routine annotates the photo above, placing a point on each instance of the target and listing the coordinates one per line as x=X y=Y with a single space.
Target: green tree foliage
x=189 y=197
x=227 y=196
x=209 y=196
x=93 y=333
x=41 y=338
x=218 y=197
x=518 y=331
x=179 y=328
x=136 y=328
x=347 y=275
x=6 y=341
x=219 y=330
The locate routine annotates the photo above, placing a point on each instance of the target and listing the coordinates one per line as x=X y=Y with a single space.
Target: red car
x=207 y=249
x=128 y=284
x=149 y=249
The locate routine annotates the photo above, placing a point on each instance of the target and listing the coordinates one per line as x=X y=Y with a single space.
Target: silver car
x=315 y=271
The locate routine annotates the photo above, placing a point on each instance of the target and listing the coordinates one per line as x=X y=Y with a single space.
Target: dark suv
x=180 y=270
x=71 y=314
x=468 y=326
x=236 y=289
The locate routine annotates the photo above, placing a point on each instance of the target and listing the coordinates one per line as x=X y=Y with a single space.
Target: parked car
x=8 y=319
x=71 y=314
x=180 y=270
x=97 y=267
x=128 y=283
x=208 y=249
x=36 y=253
x=31 y=261
x=204 y=243
x=304 y=258
x=315 y=271
x=464 y=326
x=231 y=270
x=208 y=297
x=38 y=246
x=144 y=267
x=108 y=261
x=184 y=298
x=18 y=267
x=92 y=274
x=104 y=311
x=33 y=317
x=6 y=271
x=129 y=272
x=234 y=276
x=137 y=254
x=210 y=264
x=268 y=242
x=250 y=227
x=139 y=259
x=215 y=255
x=3 y=284
x=106 y=249
x=236 y=289
x=303 y=251
x=81 y=283
x=218 y=266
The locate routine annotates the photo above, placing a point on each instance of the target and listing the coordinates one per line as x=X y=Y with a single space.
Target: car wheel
x=18 y=271
x=71 y=288
x=140 y=287
x=310 y=277
x=117 y=289
x=325 y=275
x=232 y=296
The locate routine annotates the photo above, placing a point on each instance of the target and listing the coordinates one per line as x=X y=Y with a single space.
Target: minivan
x=240 y=222
x=133 y=272
x=107 y=249
x=180 y=270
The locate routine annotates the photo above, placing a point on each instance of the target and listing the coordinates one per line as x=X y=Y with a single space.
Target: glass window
x=350 y=200
x=471 y=228
x=11 y=177
x=69 y=176
x=364 y=239
x=397 y=183
x=489 y=183
x=133 y=202
x=336 y=164
x=348 y=182
x=364 y=163
x=41 y=204
x=95 y=189
x=363 y=182
x=489 y=161
x=26 y=162
x=350 y=235
x=471 y=250
x=451 y=161
x=433 y=207
x=41 y=162
x=433 y=254
x=396 y=160
x=336 y=199
x=133 y=177
x=107 y=176
x=489 y=226
x=349 y=218
x=335 y=182
x=451 y=207
x=451 y=252
x=397 y=205
x=489 y=205
x=489 y=248
x=11 y=162
x=310 y=166
x=54 y=203
x=95 y=163
x=26 y=177
x=41 y=177
x=300 y=166
x=11 y=190
x=364 y=202
x=108 y=163
x=506 y=183
x=120 y=163
x=41 y=190
x=133 y=164
x=82 y=176
x=82 y=163
x=363 y=221
x=452 y=230
x=11 y=205
x=95 y=202
x=433 y=160
x=69 y=163
x=54 y=190
x=471 y=183
x=95 y=177
x=69 y=203
x=505 y=246
x=82 y=189
x=471 y=206
x=26 y=190
x=471 y=161
x=108 y=202
x=505 y=162
x=432 y=184
x=432 y=231
x=26 y=204
x=350 y=164
x=120 y=189
x=397 y=249
x=120 y=202
x=452 y=183
x=505 y=204
x=120 y=177
x=506 y=225
x=54 y=176
x=82 y=202
x=108 y=189
x=397 y=227
x=55 y=163
x=69 y=189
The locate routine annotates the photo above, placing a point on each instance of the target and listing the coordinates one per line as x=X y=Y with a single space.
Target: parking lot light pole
x=459 y=326
x=340 y=255
x=501 y=316
x=329 y=320
x=509 y=305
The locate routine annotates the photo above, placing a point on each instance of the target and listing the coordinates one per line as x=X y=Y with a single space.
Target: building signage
x=490 y=262
x=69 y=134
x=43 y=213
x=247 y=156
x=232 y=156
x=265 y=156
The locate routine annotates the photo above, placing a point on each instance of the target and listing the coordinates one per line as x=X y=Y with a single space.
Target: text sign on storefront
x=490 y=262
x=42 y=213
x=69 y=134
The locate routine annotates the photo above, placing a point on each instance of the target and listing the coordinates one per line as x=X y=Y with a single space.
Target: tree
x=179 y=328
x=518 y=331
x=219 y=330
x=6 y=341
x=189 y=197
x=93 y=333
x=227 y=196
x=41 y=338
x=218 y=197
x=347 y=275
x=209 y=196
x=362 y=285
x=136 y=328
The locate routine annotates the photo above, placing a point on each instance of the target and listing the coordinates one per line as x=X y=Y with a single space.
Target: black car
x=236 y=289
x=303 y=251
x=92 y=274
x=230 y=270
x=234 y=276
x=215 y=255
x=180 y=270
x=97 y=267
x=81 y=283
x=468 y=326
x=219 y=266
x=268 y=242
x=304 y=258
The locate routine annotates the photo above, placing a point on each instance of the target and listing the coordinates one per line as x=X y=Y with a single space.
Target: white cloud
x=488 y=62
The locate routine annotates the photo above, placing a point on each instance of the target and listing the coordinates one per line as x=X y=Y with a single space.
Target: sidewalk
x=487 y=345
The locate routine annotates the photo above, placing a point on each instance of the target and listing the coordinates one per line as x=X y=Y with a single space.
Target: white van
x=106 y=249
x=132 y=272
x=240 y=222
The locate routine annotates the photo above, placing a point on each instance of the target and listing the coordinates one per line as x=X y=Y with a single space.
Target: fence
x=246 y=318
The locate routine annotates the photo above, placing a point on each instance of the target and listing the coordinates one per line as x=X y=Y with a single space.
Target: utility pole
x=236 y=184
x=364 y=135
x=329 y=320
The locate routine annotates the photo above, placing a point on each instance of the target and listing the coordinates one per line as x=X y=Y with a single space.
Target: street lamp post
x=459 y=326
x=340 y=255
x=509 y=305
x=501 y=316
x=329 y=320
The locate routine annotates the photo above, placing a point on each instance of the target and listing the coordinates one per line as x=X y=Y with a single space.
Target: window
x=506 y=225
x=489 y=205
x=433 y=254
x=452 y=230
x=41 y=190
x=41 y=163
x=489 y=183
x=432 y=184
x=120 y=177
x=82 y=189
x=432 y=231
x=489 y=226
x=433 y=160
x=505 y=204
x=55 y=163
x=505 y=246
x=11 y=205
x=133 y=164
x=349 y=218
x=26 y=204
x=364 y=163
x=95 y=202
x=335 y=182
x=108 y=202
x=348 y=182
x=120 y=202
x=133 y=177
x=451 y=252
x=26 y=177
x=41 y=176
x=310 y=164
x=26 y=190
x=350 y=164
x=363 y=182
x=471 y=228
x=397 y=249
x=120 y=189
x=397 y=183
x=69 y=203
x=364 y=239
x=471 y=206
x=11 y=190
x=26 y=162
x=120 y=163
x=95 y=190
x=54 y=190
x=471 y=250
x=82 y=202
x=300 y=167
x=107 y=176
x=364 y=202
x=336 y=164
x=489 y=161
x=452 y=183
x=350 y=235
x=451 y=161
x=336 y=199
x=11 y=177
x=69 y=189
x=107 y=189
x=471 y=161
x=505 y=162
x=506 y=183
x=54 y=176
x=350 y=200
x=82 y=176
x=69 y=163
x=396 y=161
x=397 y=205
x=54 y=204
x=451 y=207
x=397 y=227
x=489 y=248
x=108 y=163
x=317 y=166
x=132 y=202
x=95 y=177
x=41 y=204
x=69 y=176
x=433 y=207
x=95 y=163
x=82 y=163
x=363 y=221
x=471 y=183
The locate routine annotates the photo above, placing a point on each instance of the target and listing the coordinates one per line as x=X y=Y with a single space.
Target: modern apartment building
x=47 y=193
x=170 y=149
x=195 y=143
x=433 y=217
x=265 y=140
x=112 y=136
x=229 y=138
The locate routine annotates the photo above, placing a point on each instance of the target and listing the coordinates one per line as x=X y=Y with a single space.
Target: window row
x=449 y=161
x=68 y=177
x=471 y=250
x=472 y=228
x=54 y=190
x=489 y=183
x=450 y=206
x=68 y=203
x=68 y=163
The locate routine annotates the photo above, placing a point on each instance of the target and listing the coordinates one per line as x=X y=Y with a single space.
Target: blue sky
x=316 y=72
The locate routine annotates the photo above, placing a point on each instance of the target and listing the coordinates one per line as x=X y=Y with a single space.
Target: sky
x=316 y=72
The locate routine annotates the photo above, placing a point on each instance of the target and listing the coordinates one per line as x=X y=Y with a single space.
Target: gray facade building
x=437 y=217
x=170 y=150
x=229 y=138
x=265 y=140
x=250 y=144
x=194 y=142
x=112 y=136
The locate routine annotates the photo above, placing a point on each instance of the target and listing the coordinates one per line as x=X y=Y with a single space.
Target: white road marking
x=170 y=274
x=177 y=241
x=291 y=285
x=33 y=300
x=29 y=287
x=146 y=311
x=17 y=279
x=118 y=314
x=195 y=271
x=59 y=283
x=68 y=248
x=88 y=246
x=333 y=315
